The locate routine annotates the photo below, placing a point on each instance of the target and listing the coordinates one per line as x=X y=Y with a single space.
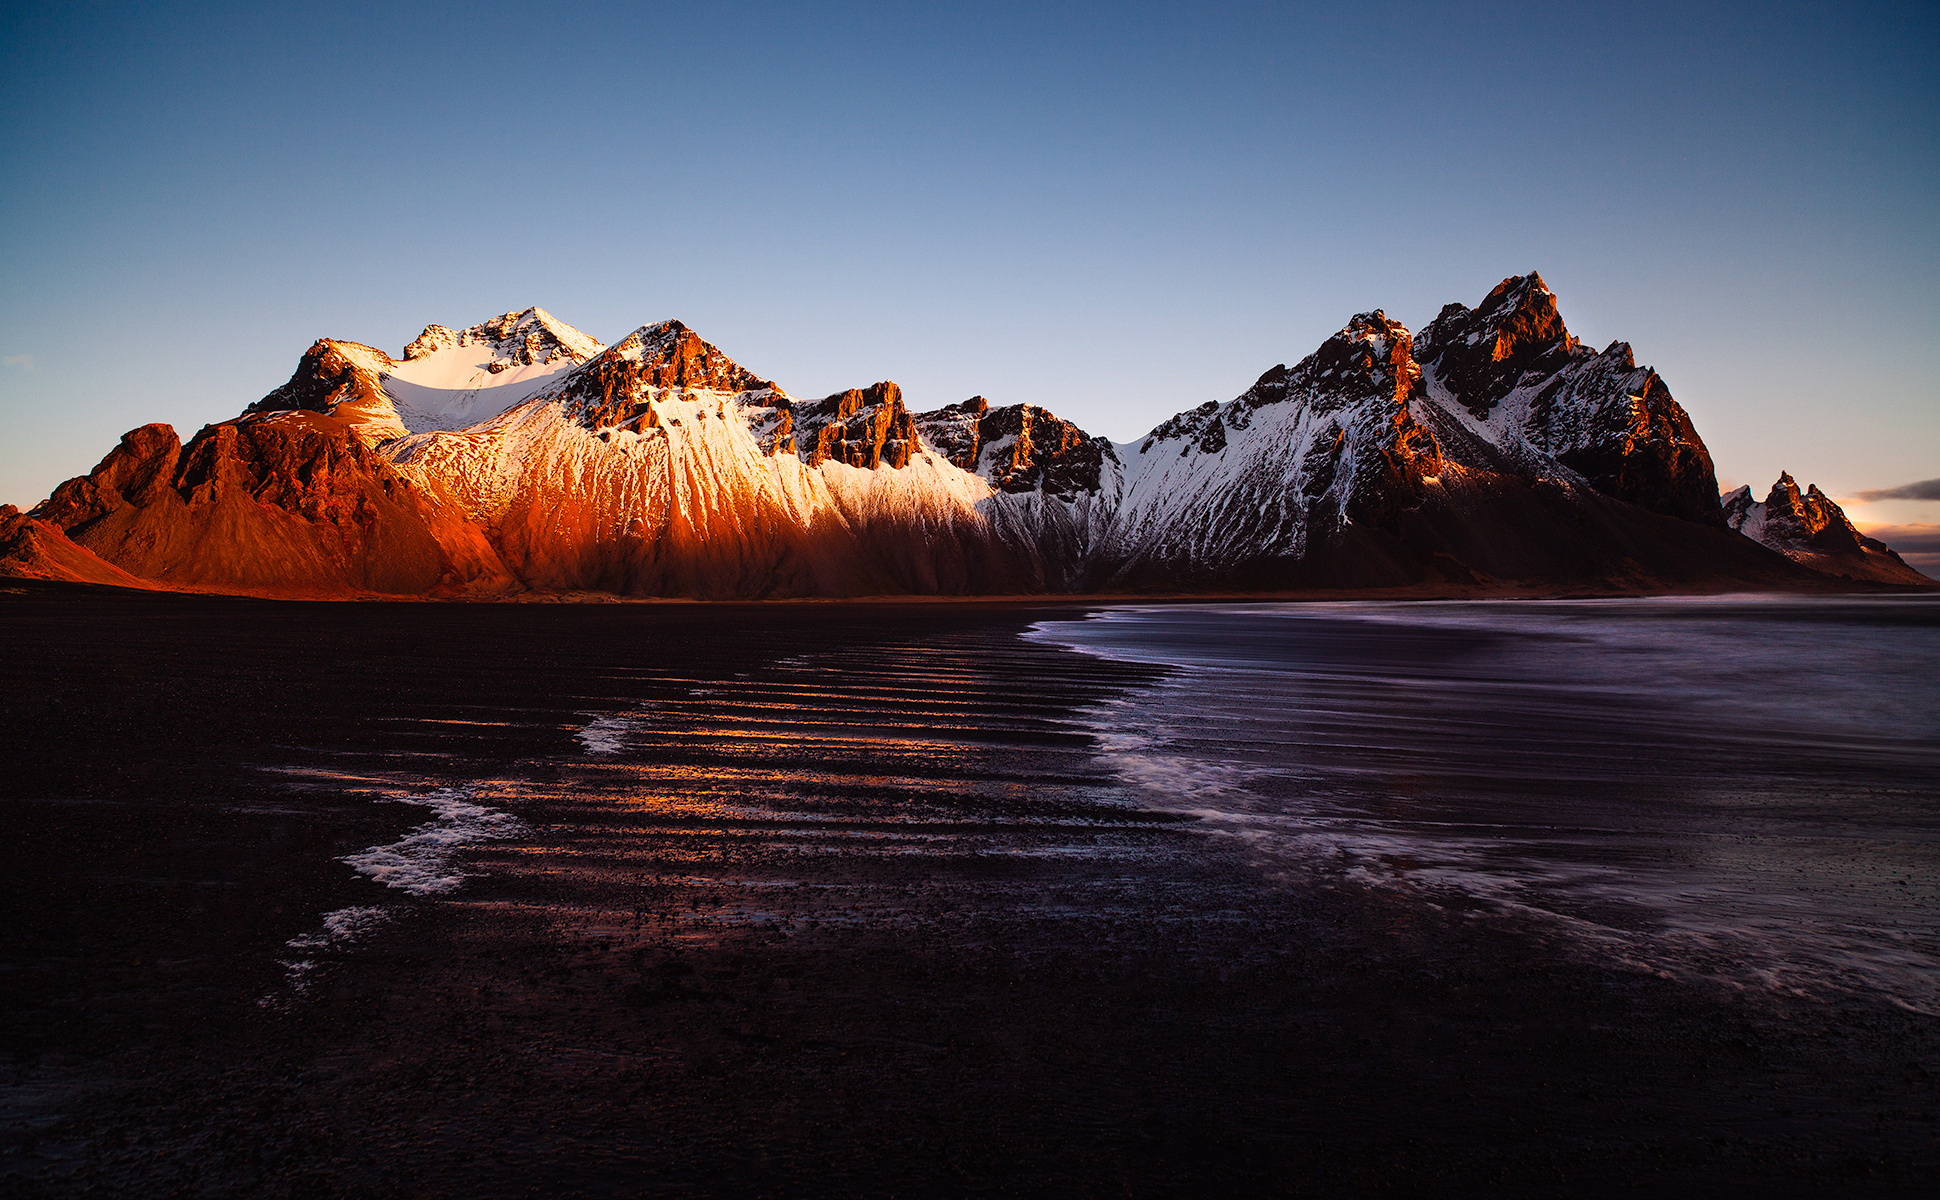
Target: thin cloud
x=24 y=362
x=1926 y=489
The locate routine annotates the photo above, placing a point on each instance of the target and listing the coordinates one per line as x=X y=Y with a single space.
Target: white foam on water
x=423 y=862
x=608 y=734
x=339 y=928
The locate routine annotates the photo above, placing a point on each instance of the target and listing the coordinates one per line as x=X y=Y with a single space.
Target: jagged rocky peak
x=1026 y=448
x=1536 y=393
x=1370 y=358
x=133 y=473
x=1790 y=518
x=533 y=337
x=862 y=427
x=1811 y=529
x=618 y=384
x=1481 y=354
x=1018 y=447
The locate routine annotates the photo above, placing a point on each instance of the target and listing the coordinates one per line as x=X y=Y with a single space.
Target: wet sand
x=845 y=904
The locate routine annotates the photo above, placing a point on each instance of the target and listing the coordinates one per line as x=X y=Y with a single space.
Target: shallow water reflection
x=1743 y=788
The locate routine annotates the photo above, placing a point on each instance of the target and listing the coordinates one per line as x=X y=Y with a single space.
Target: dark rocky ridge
x=862 y=427
x=1019 y=447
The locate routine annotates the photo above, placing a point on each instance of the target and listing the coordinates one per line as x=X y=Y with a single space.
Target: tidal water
x=946 y=899
x=1743 y=789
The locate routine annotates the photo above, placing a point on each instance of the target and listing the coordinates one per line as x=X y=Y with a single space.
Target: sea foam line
x=608 y=734
x=422 y=862
x=339 y=927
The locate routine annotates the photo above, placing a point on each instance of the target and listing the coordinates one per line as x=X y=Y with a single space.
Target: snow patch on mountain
x=454 y=379
x=1300 y=454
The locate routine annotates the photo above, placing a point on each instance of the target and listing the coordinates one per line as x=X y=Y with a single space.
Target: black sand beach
x=855 y=909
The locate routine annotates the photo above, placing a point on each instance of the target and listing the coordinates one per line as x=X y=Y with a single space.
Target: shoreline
x=1534 y=591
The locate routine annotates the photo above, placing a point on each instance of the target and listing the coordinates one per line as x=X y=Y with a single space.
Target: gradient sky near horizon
x=1115 y=211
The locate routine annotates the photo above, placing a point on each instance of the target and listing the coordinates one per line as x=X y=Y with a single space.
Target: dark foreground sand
x=856 y=913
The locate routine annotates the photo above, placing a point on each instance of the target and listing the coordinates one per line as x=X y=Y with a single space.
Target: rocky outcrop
x=34 y=549
x=1019 y=447
x=618 y=385
x=1030 y=449
x=953 y=431
x=1813 y=531
x=290 y=502
x=136 y=473
x=862 y=427
x=331 y=374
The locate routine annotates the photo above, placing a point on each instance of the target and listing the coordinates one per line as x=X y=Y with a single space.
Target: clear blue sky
x=1115 y=211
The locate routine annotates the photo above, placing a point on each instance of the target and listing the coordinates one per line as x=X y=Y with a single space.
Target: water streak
x=1745 y=789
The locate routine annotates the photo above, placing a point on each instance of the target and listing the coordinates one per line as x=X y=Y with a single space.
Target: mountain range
x=520 y=456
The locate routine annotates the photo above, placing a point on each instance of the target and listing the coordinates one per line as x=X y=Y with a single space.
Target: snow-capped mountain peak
x=447 y=379
x=515 y=339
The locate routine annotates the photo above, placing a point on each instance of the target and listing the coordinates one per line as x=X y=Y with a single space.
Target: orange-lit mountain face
x=1811 y=530
x=520 y=455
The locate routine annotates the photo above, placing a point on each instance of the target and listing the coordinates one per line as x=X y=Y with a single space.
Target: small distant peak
x=1785 y=493
x=433 y=339
x=526 y=337
x=1738 y=494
